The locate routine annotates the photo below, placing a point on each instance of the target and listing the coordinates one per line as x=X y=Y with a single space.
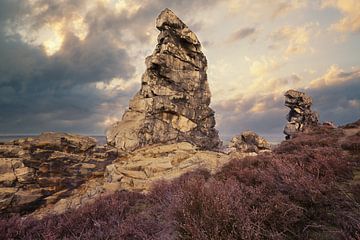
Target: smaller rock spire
x=300 y=116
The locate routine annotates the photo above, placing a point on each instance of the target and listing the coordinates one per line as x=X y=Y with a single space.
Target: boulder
x=300 y=116
x=249 y=141
x=173 y=102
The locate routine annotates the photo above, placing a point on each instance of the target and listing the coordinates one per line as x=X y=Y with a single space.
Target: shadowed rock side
x=300 y=116
x=173 y=102
x=38 y=171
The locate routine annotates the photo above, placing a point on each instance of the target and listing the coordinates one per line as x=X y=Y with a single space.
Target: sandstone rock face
x=40 y=170
x=300 y=116
x=173 y=102
x=140 y=169
x=249 y=141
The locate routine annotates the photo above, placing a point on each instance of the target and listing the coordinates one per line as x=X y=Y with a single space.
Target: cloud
x=284 y=8
x=350 y=9
x=293 y=40
x=42 y=91
x=263 y=66
x=242 y=34
x=340 y=103
x=336 y=94
x=335 y=76
x=263 y=113
x=265 y=9
x=70 y=65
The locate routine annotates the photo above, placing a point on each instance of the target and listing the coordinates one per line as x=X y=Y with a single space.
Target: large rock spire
x=173 y=102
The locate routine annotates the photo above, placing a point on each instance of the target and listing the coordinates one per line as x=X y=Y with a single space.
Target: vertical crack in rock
x=300 y=116
x=173 y=102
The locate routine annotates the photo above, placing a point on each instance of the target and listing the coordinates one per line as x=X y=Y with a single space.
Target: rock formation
x=249 y=141
x=139 y=169
x=40 y=170
x=300 y=116
x=173 y=102
x=168 y=130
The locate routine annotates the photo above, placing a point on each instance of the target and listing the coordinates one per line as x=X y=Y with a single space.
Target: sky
x=73 y=65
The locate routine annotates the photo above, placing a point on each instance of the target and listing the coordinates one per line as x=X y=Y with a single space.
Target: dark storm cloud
x=242 y=34
x=41 y=93
x=339 y=103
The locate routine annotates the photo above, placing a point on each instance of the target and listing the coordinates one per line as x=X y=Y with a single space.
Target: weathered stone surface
x=173 y=102
x=248 y=141
x=34 y=169
x=300 y=116
x=138 y=170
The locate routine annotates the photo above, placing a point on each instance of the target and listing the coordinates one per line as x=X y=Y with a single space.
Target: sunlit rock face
x=173 y=102
x=300 y=116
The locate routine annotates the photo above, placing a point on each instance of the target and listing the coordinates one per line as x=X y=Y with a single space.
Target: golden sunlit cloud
x=258 y=107
x=79 y=28
x=334 y=76
x=53 y=38
x=53 y=35
x=298 y=38
x=130 y=6
x=351 y=11
x=261 y=67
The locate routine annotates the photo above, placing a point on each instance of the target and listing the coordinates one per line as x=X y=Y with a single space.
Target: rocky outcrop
x=248 y=141
x=41 y=170
x=173 y=102
x=300 y=116
x=140 y=169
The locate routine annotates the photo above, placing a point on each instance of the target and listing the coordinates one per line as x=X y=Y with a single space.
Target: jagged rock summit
x=300 y=116
x=173 y=102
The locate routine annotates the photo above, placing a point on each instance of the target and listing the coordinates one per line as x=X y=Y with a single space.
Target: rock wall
x=300 y=116
x=173 y=102
x=41 y=170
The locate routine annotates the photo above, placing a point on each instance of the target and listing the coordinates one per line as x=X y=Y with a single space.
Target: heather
x=308 y=188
